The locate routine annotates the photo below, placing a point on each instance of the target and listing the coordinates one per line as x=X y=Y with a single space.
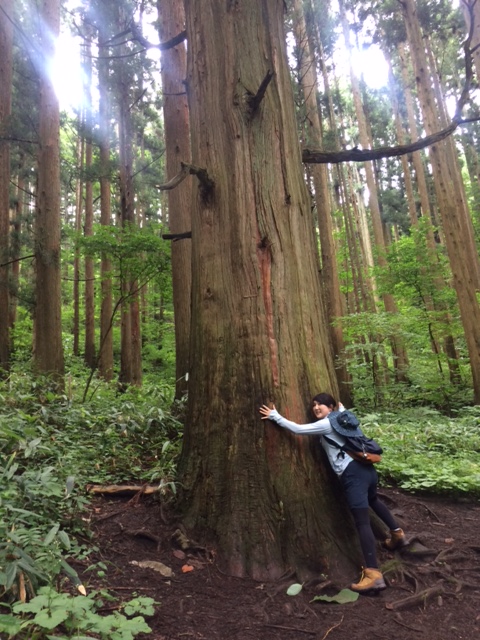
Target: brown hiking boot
x=370 y=582
x=397 y=540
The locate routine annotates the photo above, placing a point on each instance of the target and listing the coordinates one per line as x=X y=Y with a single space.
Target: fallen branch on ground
x=417 y=599
x=122 y=489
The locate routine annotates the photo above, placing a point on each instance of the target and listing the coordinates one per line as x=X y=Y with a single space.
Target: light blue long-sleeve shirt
x=321 y=427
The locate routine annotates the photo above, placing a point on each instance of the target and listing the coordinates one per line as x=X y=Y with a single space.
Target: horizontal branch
x=316 y=156
x=163 y=46
x=177 y=236
x=5 y=264
x=188 y=169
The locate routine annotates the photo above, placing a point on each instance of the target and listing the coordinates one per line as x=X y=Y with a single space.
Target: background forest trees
x=169 y=211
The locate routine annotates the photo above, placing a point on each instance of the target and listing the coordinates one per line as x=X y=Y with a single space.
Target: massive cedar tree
x=258 y=330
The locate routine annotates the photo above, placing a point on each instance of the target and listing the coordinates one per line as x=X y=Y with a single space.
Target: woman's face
x=320 y=410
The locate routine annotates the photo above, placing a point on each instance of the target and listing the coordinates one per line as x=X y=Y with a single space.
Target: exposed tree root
x=399 y=621
x=418 y=599
x=432 y=513
x=332 y=628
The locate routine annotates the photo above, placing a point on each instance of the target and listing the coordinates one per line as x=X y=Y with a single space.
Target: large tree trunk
x=6 y=17
x=177 y=137
x=258 y=330
x=48 y=326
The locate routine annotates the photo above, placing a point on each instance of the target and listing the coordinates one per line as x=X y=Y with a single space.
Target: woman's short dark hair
x=326 y=399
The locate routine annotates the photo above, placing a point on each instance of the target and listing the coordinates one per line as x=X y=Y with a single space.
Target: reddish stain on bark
x=265 y=263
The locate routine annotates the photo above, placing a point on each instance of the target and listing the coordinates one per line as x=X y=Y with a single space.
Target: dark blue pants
x=360 y=482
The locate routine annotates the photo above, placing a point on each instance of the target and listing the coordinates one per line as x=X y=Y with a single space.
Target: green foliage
x=50 y=447
x=427 y=319
x=74 y=617
x=427 y=451
x=137 y=253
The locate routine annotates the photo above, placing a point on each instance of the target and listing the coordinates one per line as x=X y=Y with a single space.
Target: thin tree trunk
x=464 y=266
x=6 y=39
x=177 y=135
x=15 y=243
x=105 y=349
x=89 y=354
x=48 y=326
x=398 y=349
x=78 y=228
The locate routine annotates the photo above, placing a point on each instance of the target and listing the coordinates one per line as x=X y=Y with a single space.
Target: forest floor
x=433 y=584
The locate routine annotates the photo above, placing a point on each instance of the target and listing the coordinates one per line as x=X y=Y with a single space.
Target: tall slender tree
x=48 y=327
x=6 y=39
x=177 y=137
x=455 y=219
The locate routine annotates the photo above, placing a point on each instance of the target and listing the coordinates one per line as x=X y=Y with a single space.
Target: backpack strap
x=341 y=447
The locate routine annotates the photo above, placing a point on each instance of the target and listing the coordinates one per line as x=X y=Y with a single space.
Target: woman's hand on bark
x=265 y=411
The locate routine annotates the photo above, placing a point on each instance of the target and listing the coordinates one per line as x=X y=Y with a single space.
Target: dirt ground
x=433 y=594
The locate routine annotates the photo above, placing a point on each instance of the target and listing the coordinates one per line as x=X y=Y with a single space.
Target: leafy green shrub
x=73 y=617
x=51 y=446
x=427 y=451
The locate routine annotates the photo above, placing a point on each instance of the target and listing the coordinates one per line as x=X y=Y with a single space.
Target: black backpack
x=357 y=446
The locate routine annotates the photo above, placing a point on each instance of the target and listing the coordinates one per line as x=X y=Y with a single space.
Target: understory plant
x=426 y=451
x=56 y=615
x=51 y=448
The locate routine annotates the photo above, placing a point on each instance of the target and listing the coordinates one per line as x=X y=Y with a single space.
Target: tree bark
x=177 y=136
x=89 y=352
x=130 y=358
x=48 y=326
x=6 y=39
x=258 y=329
x=78 y=227
x=105 y=349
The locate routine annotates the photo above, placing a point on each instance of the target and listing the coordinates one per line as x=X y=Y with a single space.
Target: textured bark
x=177 y=136
x=105 y=350
x=89 y=351
x=78 y=228
x=258 y=330
x=15 y=241
x=130 y=357
x=455 y=218
x=6 y=17
x=48 y=327
x=129 y=324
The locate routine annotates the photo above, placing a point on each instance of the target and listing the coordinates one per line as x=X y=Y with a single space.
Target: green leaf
x=10 y=624
x=64 y=539
x=50 y=619
x=51 y=535
x=294 y=589
x=71 y=573
x=342 y=597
